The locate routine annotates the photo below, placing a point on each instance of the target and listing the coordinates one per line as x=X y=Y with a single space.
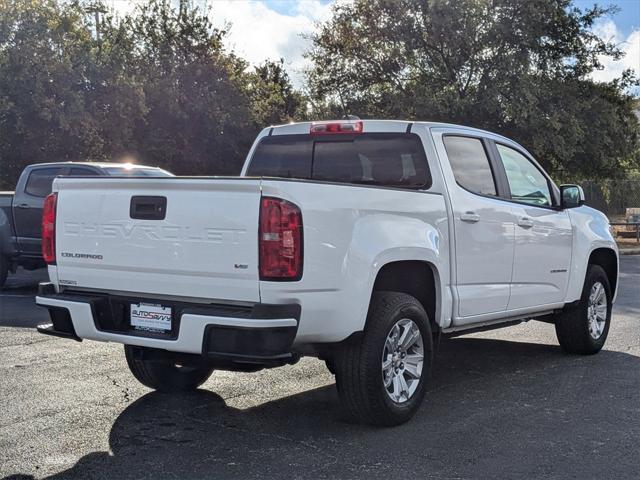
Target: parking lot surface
x=501 y=404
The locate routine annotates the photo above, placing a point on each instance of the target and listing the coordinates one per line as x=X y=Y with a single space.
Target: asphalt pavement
x=501 y=404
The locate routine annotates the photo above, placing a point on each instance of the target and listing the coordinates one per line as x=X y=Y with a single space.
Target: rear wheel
x=165 y=376
x=583 y=328
x=382 y=376
x=4 y=270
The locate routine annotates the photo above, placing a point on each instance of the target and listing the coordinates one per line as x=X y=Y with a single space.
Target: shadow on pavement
x=17 y=299
x=495 y=409
x=25 y=281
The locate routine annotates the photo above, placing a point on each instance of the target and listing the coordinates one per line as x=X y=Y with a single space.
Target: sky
x=274 y=29
x=271 y=29
x=624 y=29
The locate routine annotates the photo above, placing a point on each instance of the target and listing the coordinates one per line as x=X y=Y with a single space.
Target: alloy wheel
x=402 y=360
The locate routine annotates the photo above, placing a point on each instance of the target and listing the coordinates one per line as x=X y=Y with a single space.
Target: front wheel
x=165 y=376
x=381 y=376
x=583 y=328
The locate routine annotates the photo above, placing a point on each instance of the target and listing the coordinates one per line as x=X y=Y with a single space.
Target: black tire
x=330 y=363
x=572 y=324
x=358 y=364
x=165 y=376
x=4 y=270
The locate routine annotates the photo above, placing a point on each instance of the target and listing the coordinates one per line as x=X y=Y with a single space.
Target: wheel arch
x=608 y=260
x=7 y=247
x=417 y=278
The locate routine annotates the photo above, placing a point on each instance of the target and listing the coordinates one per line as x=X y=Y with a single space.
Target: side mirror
x=571 y=196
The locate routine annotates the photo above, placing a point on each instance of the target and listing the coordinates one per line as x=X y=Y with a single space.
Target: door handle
x=23 y=205
x=525 y=222
x=471 y=217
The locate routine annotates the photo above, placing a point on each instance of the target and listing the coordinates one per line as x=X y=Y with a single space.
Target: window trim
x=507 y=191
x=498 y=182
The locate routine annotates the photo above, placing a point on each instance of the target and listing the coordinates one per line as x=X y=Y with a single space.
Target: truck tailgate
x=113 y=235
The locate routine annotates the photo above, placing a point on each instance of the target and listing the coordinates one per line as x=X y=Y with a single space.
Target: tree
x=114 y=94
x=273 y=98
x=64 y=95
x=78 y=83
x=43 y=80
x=198 y=118
x=518 y=68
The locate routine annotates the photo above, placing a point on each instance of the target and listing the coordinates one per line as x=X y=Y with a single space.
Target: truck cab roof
x=376 y=126
x=386 y=126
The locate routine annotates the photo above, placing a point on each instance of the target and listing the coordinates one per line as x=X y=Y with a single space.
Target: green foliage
x=77 y=83
x=158 y=84
x=198 y=119
x=514 y=67
x=273 y=99
x=44 y=80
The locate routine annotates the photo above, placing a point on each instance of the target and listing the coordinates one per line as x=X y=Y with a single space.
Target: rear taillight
x=280 y=240
x=49 y=228
x=329 y=128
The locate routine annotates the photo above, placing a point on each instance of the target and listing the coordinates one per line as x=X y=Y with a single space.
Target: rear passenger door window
x=526 y=181
x=40 y=181
x=470 y=164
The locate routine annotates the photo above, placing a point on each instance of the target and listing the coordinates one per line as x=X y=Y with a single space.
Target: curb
x=629 y=251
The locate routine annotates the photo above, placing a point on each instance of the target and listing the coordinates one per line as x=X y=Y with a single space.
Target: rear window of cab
x=382 y=159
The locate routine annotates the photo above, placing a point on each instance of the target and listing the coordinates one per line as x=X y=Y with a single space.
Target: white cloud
x=259 y=33
x=122 y=7
x=608 y=30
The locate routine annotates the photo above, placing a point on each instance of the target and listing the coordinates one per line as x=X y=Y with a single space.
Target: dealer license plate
x=151 y=317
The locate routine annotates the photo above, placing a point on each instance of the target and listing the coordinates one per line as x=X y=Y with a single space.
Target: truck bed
x=5 y=199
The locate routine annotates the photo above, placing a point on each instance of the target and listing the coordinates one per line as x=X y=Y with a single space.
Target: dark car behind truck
x=21 y=211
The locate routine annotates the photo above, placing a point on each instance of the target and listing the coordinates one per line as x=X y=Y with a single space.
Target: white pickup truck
x=358 y=242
